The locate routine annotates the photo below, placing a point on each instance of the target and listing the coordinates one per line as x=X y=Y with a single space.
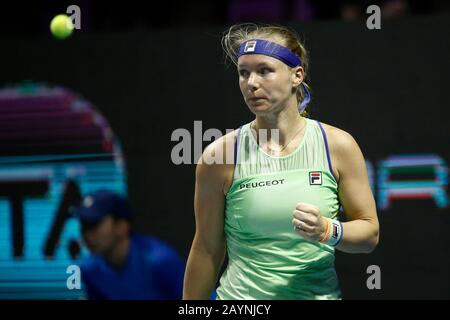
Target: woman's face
x=266 y=83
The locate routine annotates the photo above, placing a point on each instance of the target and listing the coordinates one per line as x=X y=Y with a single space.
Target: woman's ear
x=297 y=76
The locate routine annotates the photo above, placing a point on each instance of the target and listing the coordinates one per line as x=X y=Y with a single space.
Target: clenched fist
x=308 y=222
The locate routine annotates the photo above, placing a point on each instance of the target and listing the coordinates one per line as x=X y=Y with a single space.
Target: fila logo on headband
x=315 y=178
x=250 y=46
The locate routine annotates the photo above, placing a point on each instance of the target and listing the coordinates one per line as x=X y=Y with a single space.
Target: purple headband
x=271 y=49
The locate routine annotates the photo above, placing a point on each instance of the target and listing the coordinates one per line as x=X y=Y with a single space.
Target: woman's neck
x=288 y=122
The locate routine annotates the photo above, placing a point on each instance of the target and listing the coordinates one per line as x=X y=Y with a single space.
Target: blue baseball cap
x=99 y=204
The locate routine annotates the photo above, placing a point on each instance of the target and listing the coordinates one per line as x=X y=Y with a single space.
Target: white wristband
x=335 y=232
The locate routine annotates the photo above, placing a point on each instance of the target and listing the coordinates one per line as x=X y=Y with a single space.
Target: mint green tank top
x=267 y=259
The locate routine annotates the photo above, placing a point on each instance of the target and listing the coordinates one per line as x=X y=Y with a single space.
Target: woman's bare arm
x=361 y=232
x=208 y=248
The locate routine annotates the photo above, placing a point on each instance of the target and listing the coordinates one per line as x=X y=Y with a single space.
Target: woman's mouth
x=253 y=99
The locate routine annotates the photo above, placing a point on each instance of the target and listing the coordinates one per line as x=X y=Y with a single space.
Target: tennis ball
x=61 y=26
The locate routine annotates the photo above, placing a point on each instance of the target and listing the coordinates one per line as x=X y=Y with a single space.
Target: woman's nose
x=253 y=81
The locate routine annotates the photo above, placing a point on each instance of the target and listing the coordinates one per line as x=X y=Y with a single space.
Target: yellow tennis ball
x=61 y=26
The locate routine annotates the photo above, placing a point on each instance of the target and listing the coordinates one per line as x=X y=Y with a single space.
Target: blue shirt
x=153 y=271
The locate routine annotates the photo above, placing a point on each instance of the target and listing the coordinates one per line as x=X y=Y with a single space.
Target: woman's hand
x=308 y=222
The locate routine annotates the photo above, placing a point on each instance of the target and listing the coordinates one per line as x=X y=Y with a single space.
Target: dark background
x=388 y=88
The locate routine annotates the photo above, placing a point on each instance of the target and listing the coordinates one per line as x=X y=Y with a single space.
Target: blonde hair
x=239 y=33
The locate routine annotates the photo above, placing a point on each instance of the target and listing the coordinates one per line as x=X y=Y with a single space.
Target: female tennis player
x=274 y=209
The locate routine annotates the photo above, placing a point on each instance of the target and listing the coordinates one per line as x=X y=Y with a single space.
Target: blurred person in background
x=124 y=265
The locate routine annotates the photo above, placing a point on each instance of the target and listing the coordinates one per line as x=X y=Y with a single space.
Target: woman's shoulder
x=341 y=145
x=216 y=165
x=221 y=151
x=337 y=138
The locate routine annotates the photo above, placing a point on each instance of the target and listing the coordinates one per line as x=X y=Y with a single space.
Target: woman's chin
x=258 y=108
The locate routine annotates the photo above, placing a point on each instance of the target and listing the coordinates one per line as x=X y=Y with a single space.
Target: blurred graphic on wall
x=55 y=147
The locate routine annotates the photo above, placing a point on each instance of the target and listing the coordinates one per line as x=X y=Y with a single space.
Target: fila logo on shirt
x=315 y=178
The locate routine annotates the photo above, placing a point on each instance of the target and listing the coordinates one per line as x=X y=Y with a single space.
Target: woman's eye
x=243 y=73
x=265 y=70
